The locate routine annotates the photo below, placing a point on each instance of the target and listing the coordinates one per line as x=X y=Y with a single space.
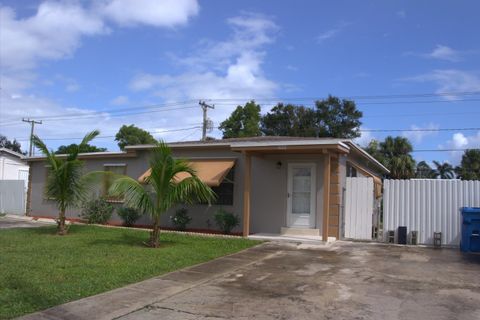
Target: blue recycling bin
x=470 y=230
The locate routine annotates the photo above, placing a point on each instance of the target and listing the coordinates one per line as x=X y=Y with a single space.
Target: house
x=14 y=171
x=275 y=184
x=13 y=166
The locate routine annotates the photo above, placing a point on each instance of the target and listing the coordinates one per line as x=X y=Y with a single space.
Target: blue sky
x=70 y=58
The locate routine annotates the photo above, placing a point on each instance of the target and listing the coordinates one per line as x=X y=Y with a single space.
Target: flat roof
x=265 y=143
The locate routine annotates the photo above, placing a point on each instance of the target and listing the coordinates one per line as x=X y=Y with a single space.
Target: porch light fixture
x=279 y=164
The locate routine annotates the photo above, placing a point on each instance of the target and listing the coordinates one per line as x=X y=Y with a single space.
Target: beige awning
x=210 y=171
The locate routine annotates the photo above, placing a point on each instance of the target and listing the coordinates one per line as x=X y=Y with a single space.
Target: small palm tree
x=444 y=170
x=65 y=184
x=161 y=190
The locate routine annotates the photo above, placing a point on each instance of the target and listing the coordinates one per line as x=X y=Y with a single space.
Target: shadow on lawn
x=129 y=239
x=32 y=298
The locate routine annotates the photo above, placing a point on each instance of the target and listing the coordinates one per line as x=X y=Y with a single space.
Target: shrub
x=97 y=211
x=226 y=221
x=128 y=215
x=181 y=219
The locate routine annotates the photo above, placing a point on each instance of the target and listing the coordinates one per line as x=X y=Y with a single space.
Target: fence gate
x=12 y=197
x=358 y=208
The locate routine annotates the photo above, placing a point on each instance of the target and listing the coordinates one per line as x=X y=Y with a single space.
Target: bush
x=181 y=219
x=226 y=221
x=128 y=215
x=97 y=211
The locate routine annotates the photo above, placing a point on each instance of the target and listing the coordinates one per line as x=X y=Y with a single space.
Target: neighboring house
x=275 y=184
x=13 y=166
x=14 y=170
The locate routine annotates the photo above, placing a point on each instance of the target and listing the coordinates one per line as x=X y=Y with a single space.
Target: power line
x=419 y=130
x=116 y=112
x=32 y=128
x=443 y=150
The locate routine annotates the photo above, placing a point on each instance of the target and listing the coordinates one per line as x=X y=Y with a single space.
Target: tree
x=289 y=120
x=243 y=122
x=394 y=154
x=469 y=168
x=444 y=170
x=338 y=118
x=424 y=171
x=132 y=135
x=12 y=145
x=82 y=149
x=65 y=181
x=160 y=191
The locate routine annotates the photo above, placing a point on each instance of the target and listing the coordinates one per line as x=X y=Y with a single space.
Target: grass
x=39 y=269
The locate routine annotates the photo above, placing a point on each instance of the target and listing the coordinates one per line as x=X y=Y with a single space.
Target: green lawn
x=39 y=269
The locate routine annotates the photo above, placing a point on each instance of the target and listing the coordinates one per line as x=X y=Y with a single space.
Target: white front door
x=301 y=195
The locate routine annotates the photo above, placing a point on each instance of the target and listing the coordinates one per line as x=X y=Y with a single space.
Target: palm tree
x=161 y=190
x=469 y=168
x=394 y=153
x=444 y=170
x=65 y=184
x=424 y=171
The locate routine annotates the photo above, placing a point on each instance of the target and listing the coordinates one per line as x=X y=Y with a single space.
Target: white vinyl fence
x=358 y=216
x=428 y=206
x=12 y=197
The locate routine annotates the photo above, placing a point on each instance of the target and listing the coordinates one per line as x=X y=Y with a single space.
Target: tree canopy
x=424 y=171
x=82 y=148
x=243 y=122
x=12 y=145
x=289 y=120
x=338 y=118
x=394 y=154
x=331 y=117
x=469 y=168
x=443 y=170
x=132 y=135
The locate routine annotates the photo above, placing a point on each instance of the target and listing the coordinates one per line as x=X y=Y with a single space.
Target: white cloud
x=331 y=33
x=54 y=32
x=450 y=80
x=165 y=13
x=120 y=100
x=461 y=141
x=418 y=136
x=230 y=69
x=444 y=53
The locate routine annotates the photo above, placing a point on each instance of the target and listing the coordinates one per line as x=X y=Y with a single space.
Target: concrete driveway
x=7 y=222
x=299 y=281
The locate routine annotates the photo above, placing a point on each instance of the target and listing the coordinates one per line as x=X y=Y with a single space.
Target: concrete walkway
x=10 y=221
x=282 y=280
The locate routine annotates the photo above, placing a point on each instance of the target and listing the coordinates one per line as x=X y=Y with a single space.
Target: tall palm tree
x=161 y=190
x=65 y=184
x=444 y=170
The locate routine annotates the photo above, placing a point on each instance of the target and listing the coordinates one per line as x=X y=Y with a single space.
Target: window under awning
x=209 y=171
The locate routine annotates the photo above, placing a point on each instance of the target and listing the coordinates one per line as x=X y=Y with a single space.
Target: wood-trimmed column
x=326 y=197
x=334 y=210
x=247 y=182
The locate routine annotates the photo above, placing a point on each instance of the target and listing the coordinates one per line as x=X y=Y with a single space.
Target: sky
x=84 y=65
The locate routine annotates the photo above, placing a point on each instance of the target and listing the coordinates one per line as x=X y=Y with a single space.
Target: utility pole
x=205 y=107
x=32 y=123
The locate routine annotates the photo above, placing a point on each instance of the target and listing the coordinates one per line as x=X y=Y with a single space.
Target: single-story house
x=274 y=184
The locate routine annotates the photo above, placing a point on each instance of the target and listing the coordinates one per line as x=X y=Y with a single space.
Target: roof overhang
x=368 y=156
x=90 y=155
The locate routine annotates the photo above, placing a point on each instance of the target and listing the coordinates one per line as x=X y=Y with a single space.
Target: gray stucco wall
x=201 y=214
x=268 y=212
